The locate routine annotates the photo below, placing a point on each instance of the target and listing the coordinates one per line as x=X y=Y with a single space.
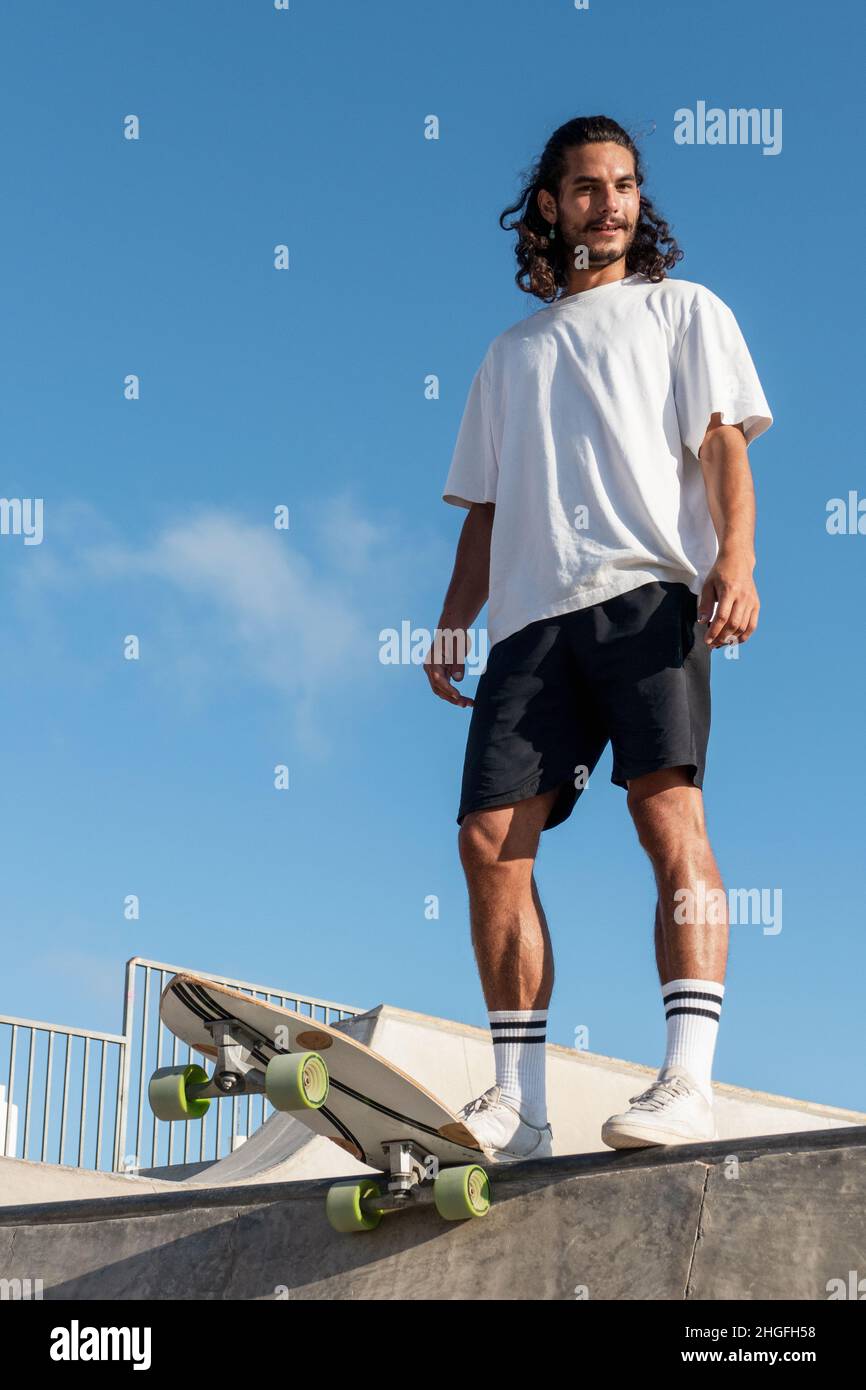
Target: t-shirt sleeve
x=716 y=375
x=474 y=471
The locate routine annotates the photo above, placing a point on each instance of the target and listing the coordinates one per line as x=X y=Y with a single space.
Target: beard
x=598 y=251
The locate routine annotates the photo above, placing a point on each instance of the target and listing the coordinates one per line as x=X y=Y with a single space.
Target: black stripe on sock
x=702 y=1013
x=693 y=994
x=518 y=1023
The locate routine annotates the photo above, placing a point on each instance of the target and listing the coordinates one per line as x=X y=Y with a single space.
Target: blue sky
x=305 y=388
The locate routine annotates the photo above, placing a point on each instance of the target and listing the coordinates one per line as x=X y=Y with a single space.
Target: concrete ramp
x=776 y=1217
x=22 y=1180
x=283 y=1148
x=455 y=1062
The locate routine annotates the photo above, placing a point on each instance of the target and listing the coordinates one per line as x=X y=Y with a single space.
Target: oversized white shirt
x=583 y=425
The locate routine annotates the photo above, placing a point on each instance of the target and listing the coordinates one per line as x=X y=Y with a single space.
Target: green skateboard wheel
x=343 y=1206
x=296 y=1081
x=460 y=1193
x=169 y=1097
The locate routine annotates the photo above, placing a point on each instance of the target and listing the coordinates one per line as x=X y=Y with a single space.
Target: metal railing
x=150 y=1044
x=26 y=1054
x=115 y=1090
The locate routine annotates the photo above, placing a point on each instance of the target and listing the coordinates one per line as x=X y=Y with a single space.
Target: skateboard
x=335 y=1086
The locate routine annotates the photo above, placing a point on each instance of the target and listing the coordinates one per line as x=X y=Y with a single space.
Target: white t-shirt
x=583 y=424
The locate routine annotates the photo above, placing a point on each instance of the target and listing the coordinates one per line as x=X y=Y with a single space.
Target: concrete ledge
x=510 y=1179
x=775 y=1217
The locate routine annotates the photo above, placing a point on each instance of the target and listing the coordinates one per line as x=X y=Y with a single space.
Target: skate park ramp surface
x=763 y=1218
x=455 y=1062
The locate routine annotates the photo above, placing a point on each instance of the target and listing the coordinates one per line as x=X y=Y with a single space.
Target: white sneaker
x=673 y=1110
x=502 y=1132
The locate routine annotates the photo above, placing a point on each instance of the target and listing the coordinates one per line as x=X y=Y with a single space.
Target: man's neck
x=582 y=280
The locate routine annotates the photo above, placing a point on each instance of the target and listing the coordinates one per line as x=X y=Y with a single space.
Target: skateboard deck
x=370 y=1102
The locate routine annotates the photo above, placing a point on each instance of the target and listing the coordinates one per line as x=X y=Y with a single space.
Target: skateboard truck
x=234 y=1070
x=407 y=1166
x=291 y=1081
x=456 y=1192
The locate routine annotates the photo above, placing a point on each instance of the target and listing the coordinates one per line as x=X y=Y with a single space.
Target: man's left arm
x=729 y=586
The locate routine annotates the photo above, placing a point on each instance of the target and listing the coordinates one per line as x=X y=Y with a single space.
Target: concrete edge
x=519 y=1177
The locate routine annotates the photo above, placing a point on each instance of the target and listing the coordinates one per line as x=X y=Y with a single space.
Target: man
x=603 y=460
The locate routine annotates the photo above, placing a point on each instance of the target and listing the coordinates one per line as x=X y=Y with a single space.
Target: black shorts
x=634 y=670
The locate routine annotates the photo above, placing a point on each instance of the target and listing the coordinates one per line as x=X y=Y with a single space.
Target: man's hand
x=446 y=661
x=730 y=586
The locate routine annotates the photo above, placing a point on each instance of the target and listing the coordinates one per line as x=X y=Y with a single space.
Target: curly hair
x=543 y=264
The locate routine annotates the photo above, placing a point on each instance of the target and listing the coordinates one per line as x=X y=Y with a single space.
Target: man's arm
x=724 y=458
x=466 y=596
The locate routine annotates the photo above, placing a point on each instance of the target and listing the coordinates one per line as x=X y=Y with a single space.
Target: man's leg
x=515 y=961
x=691 y=954
x=509 y=930
x=668 y=815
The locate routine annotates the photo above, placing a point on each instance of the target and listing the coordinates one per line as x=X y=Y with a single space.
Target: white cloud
x=217 y=599
x=256 y=608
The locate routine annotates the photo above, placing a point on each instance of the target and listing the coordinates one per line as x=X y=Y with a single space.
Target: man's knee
x=667 y=810
x=481 y=840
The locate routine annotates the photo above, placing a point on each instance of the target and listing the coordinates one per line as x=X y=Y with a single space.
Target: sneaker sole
x=637 y=1136
x=503 y=1156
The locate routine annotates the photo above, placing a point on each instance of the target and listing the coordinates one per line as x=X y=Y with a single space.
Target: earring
x=552 y=233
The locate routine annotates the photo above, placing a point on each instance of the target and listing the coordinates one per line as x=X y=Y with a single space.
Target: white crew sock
x=519 y=1047
x=692 y=1010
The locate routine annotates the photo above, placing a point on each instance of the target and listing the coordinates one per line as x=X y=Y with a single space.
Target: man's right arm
x=466 y=596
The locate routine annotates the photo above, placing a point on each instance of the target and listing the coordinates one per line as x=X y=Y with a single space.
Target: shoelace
x=482 y=1103
x=659 y=1093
